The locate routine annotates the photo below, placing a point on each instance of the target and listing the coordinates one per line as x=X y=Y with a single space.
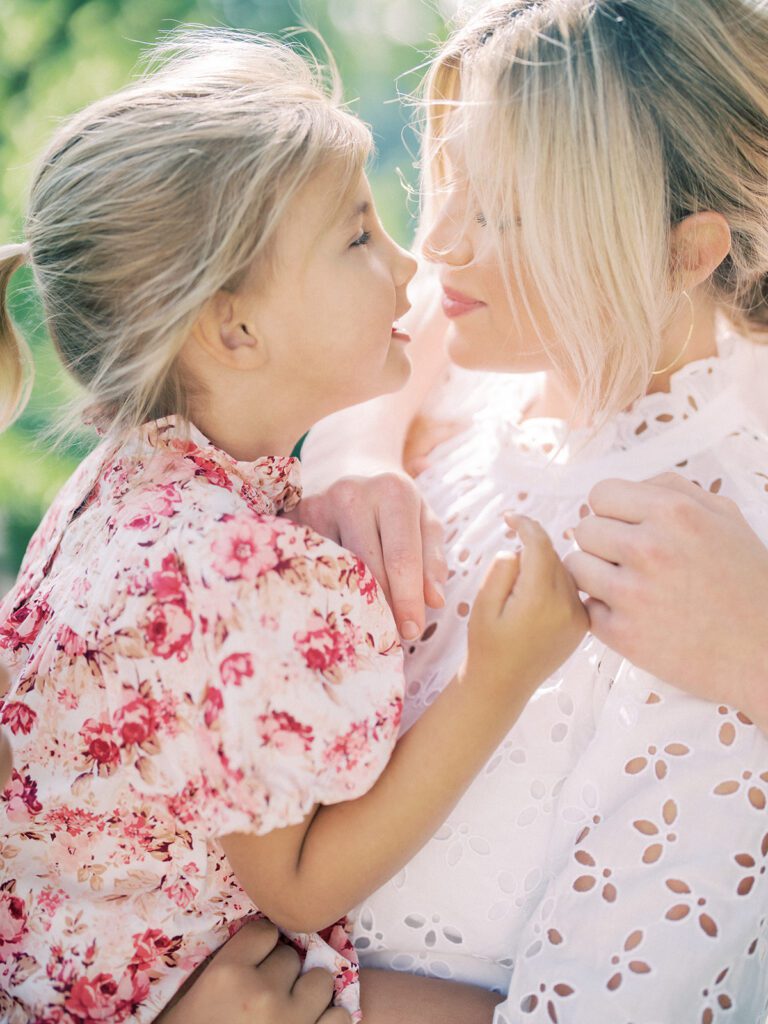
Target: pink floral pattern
x=186 y=663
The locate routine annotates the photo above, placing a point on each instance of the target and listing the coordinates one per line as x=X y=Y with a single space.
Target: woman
x=612 y=778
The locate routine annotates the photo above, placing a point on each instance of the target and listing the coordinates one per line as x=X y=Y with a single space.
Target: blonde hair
x=596 y=125
x=151 y=200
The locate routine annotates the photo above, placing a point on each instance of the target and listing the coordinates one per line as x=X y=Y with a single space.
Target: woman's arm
x=393 y=997
x=525 y=621
x=254 y=979
x=678 y=582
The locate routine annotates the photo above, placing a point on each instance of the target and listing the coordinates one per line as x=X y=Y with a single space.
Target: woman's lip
x=457 y=304
x=400 y=335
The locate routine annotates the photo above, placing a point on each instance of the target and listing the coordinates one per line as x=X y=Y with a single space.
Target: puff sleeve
x=304 y=697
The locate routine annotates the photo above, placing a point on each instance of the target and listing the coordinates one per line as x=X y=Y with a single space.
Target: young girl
x=597 y=217
x=205 y=695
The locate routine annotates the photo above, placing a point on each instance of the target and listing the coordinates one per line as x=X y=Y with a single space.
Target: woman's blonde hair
x=589 y=128
x=151 y=200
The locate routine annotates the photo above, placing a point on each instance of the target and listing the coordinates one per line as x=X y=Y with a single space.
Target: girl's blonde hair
x=148 y=202
x=589 y=128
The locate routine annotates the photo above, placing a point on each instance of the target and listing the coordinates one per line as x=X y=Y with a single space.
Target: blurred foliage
x=56 y=56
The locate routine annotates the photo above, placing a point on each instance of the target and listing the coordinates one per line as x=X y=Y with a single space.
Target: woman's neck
x=558 y=399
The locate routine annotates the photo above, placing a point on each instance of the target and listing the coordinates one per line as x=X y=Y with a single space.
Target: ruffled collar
x=270 y=484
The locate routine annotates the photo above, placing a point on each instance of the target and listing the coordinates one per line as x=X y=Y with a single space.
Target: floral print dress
x=185 y=663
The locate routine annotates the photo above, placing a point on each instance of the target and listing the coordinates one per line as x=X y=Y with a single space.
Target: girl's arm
x=526 y=620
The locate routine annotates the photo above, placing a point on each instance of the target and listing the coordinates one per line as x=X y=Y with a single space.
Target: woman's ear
x=700 y=243
x=226 y=334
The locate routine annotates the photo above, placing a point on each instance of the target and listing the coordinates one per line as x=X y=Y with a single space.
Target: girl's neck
x=558 y=399
x=245 y=439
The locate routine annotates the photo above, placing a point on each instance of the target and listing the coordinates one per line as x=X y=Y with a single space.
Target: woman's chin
x=493 y=355
x=471 y=354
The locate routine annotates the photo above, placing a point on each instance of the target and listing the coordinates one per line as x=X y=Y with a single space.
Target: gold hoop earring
x=656 y=373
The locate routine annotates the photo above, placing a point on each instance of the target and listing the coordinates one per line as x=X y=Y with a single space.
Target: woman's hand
x=253 y=979
x=527 y=617
x=678 y=584
x=6 y=759
x=384 y=520
x=424 y=435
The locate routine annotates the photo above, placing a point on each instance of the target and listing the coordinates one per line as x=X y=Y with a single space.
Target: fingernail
x=438 y=589
x=409 y=630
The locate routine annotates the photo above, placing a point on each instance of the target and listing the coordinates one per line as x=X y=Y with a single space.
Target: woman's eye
x=363 y=239
x=480 y=218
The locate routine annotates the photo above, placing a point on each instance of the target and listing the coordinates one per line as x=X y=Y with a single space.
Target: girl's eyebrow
x=359 y=211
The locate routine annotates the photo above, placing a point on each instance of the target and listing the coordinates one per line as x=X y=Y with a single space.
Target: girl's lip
x=457 y=304
x=400 y=335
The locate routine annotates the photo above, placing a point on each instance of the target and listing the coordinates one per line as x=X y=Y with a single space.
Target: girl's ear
x=700 y=243
x=226 y=335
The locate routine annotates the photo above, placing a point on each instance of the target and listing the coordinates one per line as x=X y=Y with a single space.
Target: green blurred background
x=56 y=56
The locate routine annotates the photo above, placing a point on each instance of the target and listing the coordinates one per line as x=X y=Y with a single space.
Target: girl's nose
x=406 y=267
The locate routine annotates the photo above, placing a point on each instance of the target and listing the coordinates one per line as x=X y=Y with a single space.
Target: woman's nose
x=446 y=241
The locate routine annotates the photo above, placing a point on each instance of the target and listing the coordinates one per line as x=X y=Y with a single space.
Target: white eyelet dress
x=609 y=863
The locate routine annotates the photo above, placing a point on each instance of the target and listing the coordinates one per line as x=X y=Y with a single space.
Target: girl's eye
x=364 y=239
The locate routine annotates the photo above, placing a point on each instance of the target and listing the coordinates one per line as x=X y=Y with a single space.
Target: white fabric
x=609 y=863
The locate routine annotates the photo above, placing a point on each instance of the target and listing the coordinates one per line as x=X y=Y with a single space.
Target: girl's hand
x=255 y=980
x=527 y=617
x=678 y=584
x=384 y=520
x=526 y=621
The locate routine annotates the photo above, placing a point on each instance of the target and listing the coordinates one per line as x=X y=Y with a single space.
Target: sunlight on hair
x=149 y=201
x=570 y=132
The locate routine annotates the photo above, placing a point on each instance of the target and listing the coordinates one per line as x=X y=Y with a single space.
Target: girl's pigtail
x=15 y=356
